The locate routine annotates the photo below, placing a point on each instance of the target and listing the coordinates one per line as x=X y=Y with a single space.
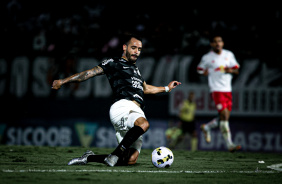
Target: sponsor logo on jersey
x=134 y=78
x=220 y=68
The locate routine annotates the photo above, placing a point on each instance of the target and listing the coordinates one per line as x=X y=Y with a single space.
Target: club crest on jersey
x=137 y=72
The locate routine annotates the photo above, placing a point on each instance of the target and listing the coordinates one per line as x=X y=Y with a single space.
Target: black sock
x=130 y=137
x=96 y=158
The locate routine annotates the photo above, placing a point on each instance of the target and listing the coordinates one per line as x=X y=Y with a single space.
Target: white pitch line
x=129 y=171
x=277 y=167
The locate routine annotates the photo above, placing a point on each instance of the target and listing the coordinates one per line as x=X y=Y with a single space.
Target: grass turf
x=31 y=164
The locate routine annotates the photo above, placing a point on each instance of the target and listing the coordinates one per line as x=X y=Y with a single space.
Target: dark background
x=85 y=27
x=74 y=29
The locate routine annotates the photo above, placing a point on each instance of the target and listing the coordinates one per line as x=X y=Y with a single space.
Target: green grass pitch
x=31 y=164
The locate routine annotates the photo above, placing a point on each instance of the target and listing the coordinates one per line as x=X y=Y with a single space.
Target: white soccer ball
x=162 y=157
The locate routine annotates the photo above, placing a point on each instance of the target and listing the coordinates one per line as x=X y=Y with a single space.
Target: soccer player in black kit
x=126 y=112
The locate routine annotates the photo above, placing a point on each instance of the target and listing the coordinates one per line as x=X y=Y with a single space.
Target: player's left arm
x=149 y=89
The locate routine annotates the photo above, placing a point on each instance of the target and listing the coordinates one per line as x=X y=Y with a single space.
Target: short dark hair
x=212 y=36
x=128 y=37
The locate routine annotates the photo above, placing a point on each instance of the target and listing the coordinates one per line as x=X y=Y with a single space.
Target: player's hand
x=228 y=70
x=232 y=71
x=173 y=85
x=206 y=72
x=57 y=84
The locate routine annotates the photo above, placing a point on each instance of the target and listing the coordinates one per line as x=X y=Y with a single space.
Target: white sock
x=225 y=130
x=212 y=124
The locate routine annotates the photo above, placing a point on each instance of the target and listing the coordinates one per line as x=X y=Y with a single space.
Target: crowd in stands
x=91 y=28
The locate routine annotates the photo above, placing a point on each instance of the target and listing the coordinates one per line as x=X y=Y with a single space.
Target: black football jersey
x=125 y=79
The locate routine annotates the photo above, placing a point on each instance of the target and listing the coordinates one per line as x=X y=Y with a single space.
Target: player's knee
x=224 y=114
x=133 y=159
x=132 y=156
x=143 y=123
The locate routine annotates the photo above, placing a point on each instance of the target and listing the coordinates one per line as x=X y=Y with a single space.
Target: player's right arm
x=78 y=77
x=204 y=72
x=202 y=67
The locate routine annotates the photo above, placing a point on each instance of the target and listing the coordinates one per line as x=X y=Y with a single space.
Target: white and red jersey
x=216 y=64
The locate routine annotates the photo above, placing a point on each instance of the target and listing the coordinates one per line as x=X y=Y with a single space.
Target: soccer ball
x=162 y=157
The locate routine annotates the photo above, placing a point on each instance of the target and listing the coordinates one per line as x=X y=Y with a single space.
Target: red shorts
x=222 y=100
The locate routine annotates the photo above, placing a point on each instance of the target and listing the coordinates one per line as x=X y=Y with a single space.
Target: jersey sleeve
x=107 y=65
x=233 y=62
x=202 y=66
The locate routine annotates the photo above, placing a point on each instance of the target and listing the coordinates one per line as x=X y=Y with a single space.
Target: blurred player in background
x=126 y=112
x=219 y=64
x=173 y=134
x=187 y=119
x=176 y=134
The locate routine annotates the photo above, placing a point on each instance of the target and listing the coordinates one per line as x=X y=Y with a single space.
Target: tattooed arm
x=79 y=77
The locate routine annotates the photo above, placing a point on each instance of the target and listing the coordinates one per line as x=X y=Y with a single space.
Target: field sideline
x=31 y=164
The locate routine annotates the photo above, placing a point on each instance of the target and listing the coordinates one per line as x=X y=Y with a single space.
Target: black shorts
x=188 y=127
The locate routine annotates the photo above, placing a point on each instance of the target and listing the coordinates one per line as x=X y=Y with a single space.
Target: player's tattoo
x=82 y=76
